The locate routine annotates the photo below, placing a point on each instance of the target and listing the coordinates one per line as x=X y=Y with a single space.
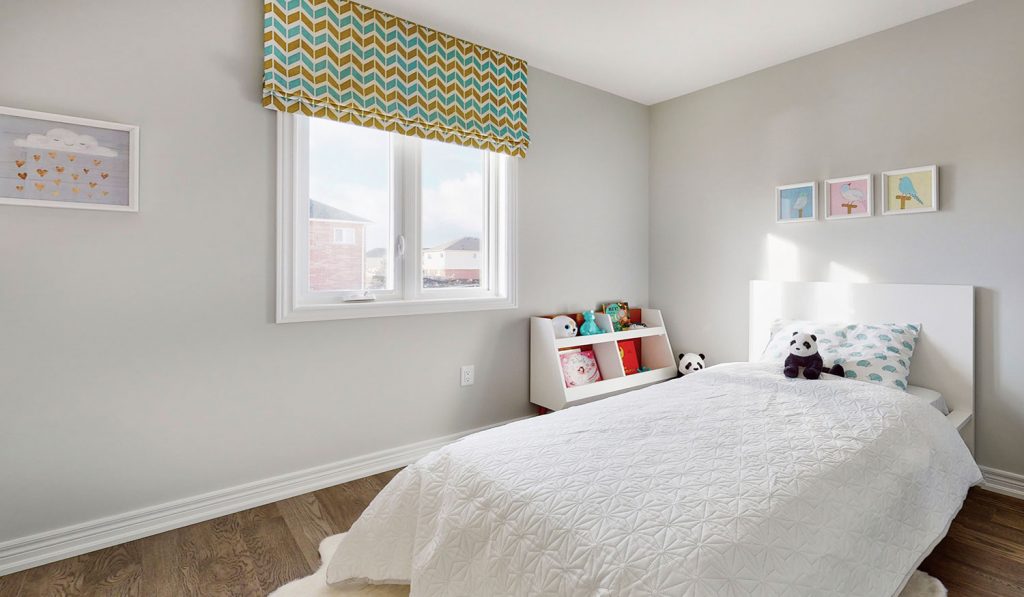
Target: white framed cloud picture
x=49 y=160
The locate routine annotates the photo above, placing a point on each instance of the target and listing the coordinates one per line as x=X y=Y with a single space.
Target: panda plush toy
x=690 y=362
x=803 y=352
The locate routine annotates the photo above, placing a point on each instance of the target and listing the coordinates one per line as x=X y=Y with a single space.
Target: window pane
x=350 y=213
x=452 y=213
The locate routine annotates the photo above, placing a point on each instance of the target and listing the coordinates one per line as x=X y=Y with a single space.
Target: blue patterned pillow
x=876 y=353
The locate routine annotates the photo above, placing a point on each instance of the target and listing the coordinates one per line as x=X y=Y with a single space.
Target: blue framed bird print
x=796 y=202
x=911 y=190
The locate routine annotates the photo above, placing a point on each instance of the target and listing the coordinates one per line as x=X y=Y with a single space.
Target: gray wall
x=138 y=358
x=947 y=89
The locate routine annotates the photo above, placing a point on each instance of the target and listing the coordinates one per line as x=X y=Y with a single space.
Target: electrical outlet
x=467 y=375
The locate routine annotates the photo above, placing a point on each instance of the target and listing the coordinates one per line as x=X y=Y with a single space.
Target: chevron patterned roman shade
x=348 y=62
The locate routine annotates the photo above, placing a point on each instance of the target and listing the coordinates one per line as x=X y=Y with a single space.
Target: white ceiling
x=654 y=50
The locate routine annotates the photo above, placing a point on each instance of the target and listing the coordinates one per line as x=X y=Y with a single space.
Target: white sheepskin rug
x=315 y=585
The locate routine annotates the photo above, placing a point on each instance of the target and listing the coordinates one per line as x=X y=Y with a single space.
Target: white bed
x=731 y=481
x=944 y=358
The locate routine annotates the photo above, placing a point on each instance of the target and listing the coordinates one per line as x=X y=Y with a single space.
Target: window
x=344 y=236
x=374 y=223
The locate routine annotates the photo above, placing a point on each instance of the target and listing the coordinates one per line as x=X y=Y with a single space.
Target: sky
x=348 y=168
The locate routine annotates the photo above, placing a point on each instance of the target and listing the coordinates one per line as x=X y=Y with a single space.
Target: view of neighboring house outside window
x=454 y=263
x=337 y=245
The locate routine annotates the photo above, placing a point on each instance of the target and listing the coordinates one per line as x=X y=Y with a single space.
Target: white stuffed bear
x=565 y=327
x=690 y=362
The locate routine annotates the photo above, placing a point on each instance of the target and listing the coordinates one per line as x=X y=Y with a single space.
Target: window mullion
x=397 y=220
x=491 y=233
x=411 y=216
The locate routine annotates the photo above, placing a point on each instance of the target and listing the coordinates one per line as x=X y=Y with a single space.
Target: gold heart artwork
x=72 y=157
x=40 y=186
x=56 y=193
x=52 y=154
x=19 y=163
x=105 y=193
x=59 y=169
x=97 y=162
x=36 y=157
x=74 y=189
x=92 y=185
x=56 y=182
x=20 y=187
x=23 y=175
x=104 y=175
x=86 y=170
x=41 y=172
x=75 y=176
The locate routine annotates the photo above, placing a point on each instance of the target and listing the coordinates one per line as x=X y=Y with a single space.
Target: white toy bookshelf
x=547 y=385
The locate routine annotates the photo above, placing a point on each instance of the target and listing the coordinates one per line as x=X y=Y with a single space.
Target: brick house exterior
x=337 y=247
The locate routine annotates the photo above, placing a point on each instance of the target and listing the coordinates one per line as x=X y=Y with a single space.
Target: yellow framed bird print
x=910 y=190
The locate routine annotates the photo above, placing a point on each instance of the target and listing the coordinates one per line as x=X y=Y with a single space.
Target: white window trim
x=292 y=249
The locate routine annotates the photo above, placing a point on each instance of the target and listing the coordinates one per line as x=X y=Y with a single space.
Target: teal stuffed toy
x=589 y=328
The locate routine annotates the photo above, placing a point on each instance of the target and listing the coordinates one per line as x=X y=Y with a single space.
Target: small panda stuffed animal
x=803 y=352
x=690 y=362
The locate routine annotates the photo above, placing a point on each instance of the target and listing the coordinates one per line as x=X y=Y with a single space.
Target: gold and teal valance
x=348 y=62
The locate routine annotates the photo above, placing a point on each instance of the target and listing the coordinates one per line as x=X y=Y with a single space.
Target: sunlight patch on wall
x=838 y=272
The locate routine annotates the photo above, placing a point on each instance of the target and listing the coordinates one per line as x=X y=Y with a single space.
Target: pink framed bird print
x=849 y=197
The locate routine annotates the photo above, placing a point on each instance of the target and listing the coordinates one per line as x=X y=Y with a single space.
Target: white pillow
x=934 y=398
x=876 y=353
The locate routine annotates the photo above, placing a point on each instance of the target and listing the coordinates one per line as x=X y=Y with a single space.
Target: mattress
x=731 y=481
x=931 y=396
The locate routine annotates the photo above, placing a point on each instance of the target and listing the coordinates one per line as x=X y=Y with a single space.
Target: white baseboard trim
x=1010 y=484
x=50 y=546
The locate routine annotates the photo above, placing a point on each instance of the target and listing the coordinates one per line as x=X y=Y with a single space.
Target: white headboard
x=944 y=357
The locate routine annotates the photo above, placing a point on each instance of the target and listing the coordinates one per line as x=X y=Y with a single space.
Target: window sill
x=327 y=312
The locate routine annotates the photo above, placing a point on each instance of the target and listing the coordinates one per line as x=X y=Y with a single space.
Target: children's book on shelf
x=629 y=352
x=579 y=367
x=619 y=314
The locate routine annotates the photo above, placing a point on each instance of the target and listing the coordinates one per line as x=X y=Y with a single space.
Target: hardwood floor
x=983 y=554
x=247 y=554
x=254 y=552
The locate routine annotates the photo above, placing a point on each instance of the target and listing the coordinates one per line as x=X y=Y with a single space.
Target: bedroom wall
x=139 y=361
x=946 y=89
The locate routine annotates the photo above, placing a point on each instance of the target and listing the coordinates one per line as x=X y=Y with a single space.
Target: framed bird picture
x=848 y=197
x=796 y=202
x=48 y=160
x=911 y=190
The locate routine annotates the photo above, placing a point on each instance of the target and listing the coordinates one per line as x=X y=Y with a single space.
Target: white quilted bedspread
x=732 y=481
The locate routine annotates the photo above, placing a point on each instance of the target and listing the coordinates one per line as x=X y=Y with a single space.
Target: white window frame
x=294 y=301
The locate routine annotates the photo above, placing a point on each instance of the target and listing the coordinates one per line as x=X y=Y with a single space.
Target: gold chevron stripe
x=344 y=61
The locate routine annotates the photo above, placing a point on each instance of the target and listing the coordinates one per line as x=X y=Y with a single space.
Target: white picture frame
x=861 y=189
x=84 y=164
x=927 y=176
x=792 y=197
